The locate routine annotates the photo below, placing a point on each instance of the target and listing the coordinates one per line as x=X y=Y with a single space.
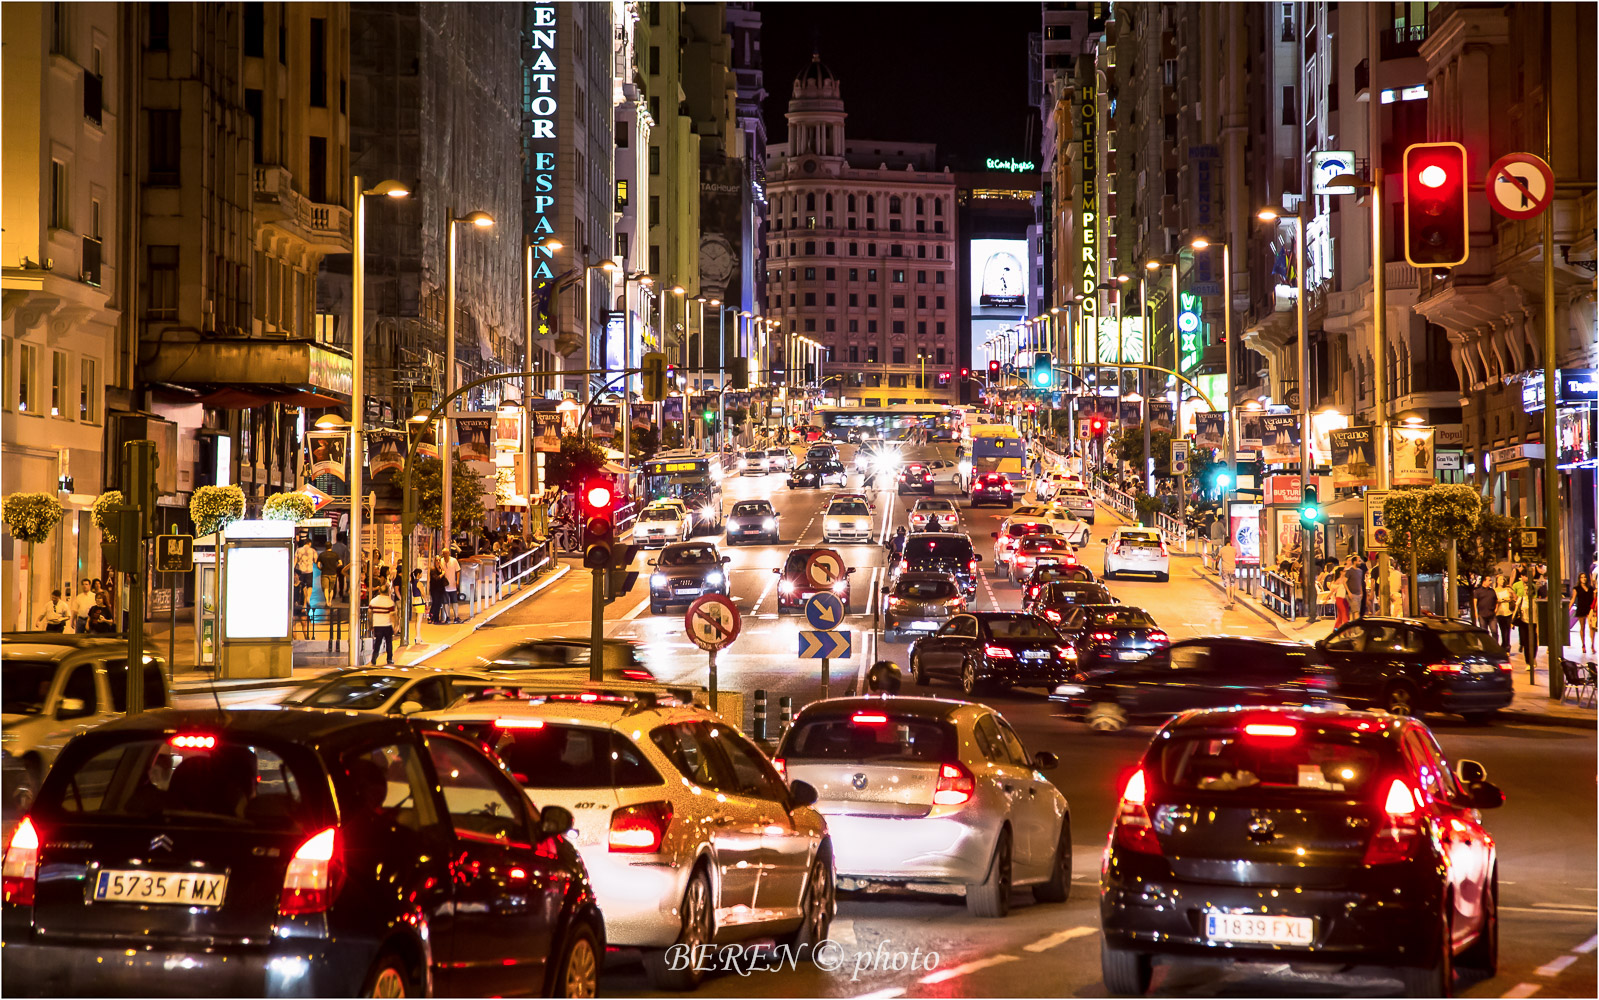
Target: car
x=1012 y=530
x=1076 y=500
x=752 y=520
x=815 y=475
x=1042 y=511
x=388 y=690
x=680 y=820
x=920 y=602
x=916 y=477
x=865 y=498
x=1410 y=666
x=1071 y=528
x=1207 y=672
x=1074 y=572
x=992 y=487
x=941 y=552
x=1137 y=550
x=1053 y=598
x=753 y=463
x=794 y=587
x=565 y=658
x=1104 y=634
x=1301 y=836
x=659 y=525
x=932 y=794
x=977 y=650
x=55 y=685
x=779 y=459
x=686 y=571
x=1047 y=485
x=1031 y=552
x=847 y=521
x=934 y=514
x=292 y=853
x=821 y=453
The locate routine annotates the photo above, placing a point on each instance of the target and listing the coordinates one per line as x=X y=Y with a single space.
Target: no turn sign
x=1520 y=186
x=712 y=622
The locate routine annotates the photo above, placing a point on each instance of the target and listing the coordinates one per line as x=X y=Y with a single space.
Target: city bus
x=996 y=448
x=889 y=423
x=690 y=476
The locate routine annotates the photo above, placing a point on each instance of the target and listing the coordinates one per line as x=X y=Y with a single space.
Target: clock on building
x=716 y=264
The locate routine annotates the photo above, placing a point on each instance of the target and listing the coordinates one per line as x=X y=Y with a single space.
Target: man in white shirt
x=452 y=579
x=82 y=601
x=55 y=614
x=382 y=609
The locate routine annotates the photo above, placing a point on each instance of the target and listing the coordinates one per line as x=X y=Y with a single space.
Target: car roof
x=56 y=645
x=1225 y=718
x=692 y=543
x=923 y=575
x=932 y=708
x=947 y=535
x=606 y=713
x=1252 y=640
x=419 y=670
x=1430 y=624
x=309 y=726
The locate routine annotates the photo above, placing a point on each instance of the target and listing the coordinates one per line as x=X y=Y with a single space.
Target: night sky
x=950 y=73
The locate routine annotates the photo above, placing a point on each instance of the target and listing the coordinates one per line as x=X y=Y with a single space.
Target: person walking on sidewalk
x=1340 y=597
x=382 y=609
x=1355 y=583
x=419 y=603
x=1485 y=603
x=1582 y=608
x=1229 y=570
x=1504 y=610
x=436 y=591
x=55 y=614
x=304 y=572
x=332 y=567
x=82 y=601
x=452 y=585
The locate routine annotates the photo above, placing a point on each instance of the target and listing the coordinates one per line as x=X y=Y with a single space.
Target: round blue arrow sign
x=824 y=611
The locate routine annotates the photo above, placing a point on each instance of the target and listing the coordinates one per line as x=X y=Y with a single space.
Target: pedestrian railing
x=1278 y=594
x=1175 y=530
x=1118 y=501
x=522 y=570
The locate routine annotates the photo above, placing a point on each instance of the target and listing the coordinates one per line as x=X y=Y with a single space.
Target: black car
x=794 y=586
x=685 y=572
x=916 y=478
x=1208 y=672
x=814 y=475
x=1102 y=634
x=1301 y=835
x=992 y=487
x=1052 y=598
x=752 y=521
x=988 y=647
x=918 y=603
x=1414 y=665
x=941 y=552
x=292 y=853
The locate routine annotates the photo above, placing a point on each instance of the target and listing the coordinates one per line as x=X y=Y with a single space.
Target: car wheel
x=918 y=672
x=1126 y=973
x=817 y=908
x=389 y=977
x=656 y=609
x=1106 y=717
x=578 y=973
x=969 y=682
x=1162 y=577
x=1400 y=699
x=1437 y=979
x=1483 y=955
x=1477 y=718
x=1059 y=886
x=697 y=911
x=991 y=897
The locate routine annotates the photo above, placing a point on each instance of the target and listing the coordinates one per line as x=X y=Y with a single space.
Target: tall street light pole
x=677 y=293
x=391 y=189
x=547 y=248
x=481 y=220
x=1307 y=541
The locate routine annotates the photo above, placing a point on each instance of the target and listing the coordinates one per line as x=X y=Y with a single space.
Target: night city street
x=869 y=500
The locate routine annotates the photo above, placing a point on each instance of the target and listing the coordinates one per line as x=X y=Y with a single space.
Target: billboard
x=999 y=274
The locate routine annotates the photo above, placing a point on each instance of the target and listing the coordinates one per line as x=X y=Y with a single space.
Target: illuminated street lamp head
x=1199 y=243
x=646 y=281
x=1268 y=215
x=677 y=289
x=1124 y=278
x=331 y=421
x=1152 y=265
x=745 y=313
x=1054 y=310
x=394 y=189
x=609 y=265
x=482 y=220
x=716 y=302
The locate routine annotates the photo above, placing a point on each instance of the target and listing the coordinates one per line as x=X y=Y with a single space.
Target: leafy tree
x=1424 y=519
x=466 y=493
x=578 y=459
x=646 y=442
x=1129 y=445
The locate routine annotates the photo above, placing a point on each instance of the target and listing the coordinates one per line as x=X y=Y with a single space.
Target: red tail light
x=955 y=787
x=972 y=566
x=868 y=718
x=194 y=742
x=1443 y=668
x=515 y=723
x=1133 y=830
x=1398 y=828
x=1506 y=667
x=22 y=863
x=1268 y=730
x=640 y=829
x=635 y=674
x=314 y=874
x=1052 y=614
x=1102 y=636
x=1159 y=637
x=999 y=653
x=782 y=767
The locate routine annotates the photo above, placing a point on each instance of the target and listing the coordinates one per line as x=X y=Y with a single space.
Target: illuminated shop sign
x=1014 y=166
x=539 y=107
x=1088 y=210
x=1190 y=343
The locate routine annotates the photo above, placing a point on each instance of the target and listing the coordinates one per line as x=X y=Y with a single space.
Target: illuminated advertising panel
x=999 y=274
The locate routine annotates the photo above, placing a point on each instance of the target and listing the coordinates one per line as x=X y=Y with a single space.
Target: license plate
x=687 y=591
x=1482 y=668
x=180 y=888
x=1130 y=654
x=1034 y=654
x=929 y=626
x=1253 y=928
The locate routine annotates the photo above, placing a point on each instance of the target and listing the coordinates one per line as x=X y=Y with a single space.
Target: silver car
x=932 y=795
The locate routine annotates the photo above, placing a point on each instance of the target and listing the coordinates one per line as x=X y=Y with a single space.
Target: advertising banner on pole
x=547 y=431
x=1352 y=458
x=472 y=436
x=385 y=451
x=1130 y=414
x=672 y=410
x=1251 y=431
x=1160 y=416
x=643 y=414
x=1413 y=451
x=602 y=420
x=1279 y=437
x=1210 y=429
x=329 y=454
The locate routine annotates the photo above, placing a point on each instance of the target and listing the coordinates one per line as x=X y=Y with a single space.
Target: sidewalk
x=312 y=659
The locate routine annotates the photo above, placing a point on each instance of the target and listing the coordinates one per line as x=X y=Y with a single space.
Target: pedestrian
x=1355 y=583
x=1583 y=609
x=452 y=583
x=382 y=611
x=419 y=604
x=100 y=622
x=332 y=568
x=56 y=614
x=342 y=548
x=1397 y=588
x=1340 y=597
x=305 y=571
x=82 y=601
x=1218 y=533
x=1229 y=570
x=1483 y=603
x=1504 y=609
x=436 y=591
x=1521 y=614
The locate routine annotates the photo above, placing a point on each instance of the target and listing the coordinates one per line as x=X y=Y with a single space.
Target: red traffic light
x=1433 y=176
x=993 y=367
x=1436 y=224
x=598 y=495
x=1096 y=424
x=965 y=372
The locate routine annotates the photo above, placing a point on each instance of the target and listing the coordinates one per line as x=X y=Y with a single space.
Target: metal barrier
x=1175 y=530
x=1118 y=501
x=1277 y=594
x=527 y=567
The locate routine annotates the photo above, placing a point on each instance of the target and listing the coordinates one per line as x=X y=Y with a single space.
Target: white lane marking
x=888 y=994
x=1522 y=990
x=638 y=610
x=944 y=975
x=1060 y=938
x=1587 y=946
x=1584 y=911
x=1556 y=967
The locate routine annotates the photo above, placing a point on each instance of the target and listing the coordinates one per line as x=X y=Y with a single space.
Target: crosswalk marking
x=1587 y=946
x=1058 y=939
x=1522 y=990
x=944 y=975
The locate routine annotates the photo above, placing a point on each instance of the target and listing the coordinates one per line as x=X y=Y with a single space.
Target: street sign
x=1520 y=186
x=1376 y=530
x=824 y=611
x=1179 y=457
x=712 y=622
x=318 y=498
x=825 y=645
x=174 y=553
x=824 y=569
x=1527 y=543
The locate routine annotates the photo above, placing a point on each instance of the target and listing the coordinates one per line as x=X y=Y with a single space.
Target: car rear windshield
x=1470 y=642
x=934 y=505
x=181 y=780
x=848 y=507
x=1031 y=528
x=1139 y=542
x=860 y=736
x=27 y=685
x=552 y=755
x=1317 y=764
x=1131 y=617
x=363 y=693
x=755 y=454
x=1074 y=493
x=925 y=590
x=688 y=555
x=1047 y=543
x=1076 y=592
x=1019 y=627
x=751 y=508
x=938 y=548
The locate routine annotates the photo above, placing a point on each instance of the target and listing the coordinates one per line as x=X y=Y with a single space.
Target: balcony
x=90 y=264
x=1403 y=41
x=322 y=228
x=286 y=370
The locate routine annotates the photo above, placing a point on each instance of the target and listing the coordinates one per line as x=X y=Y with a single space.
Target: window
x=832 y=249
x=165 y=148
x=831 y=327
x=871 y=224
x=59 y=194
x=317 y=171
x=871 y=203
x=810 y=326
x=162 y=267
x=622 y=131
x=854 y=275
x=938 y=227
x=655 y=258
x=871 y=352
x=899 y=326
x=896 y=381
x=27 y=378
x=899 y=276
x=58 y=384
x=938 y=208
x=940 y=255
x=921 y=302
x=921 y=277
x=691 y=747
x=483 y=806
x=899 y=301
x=89 y=391
x=899 y=355
x=621 y=246
x=940 y=329
x=160 y=27
x=655 y=15
x=655 y=209
x=871 y=249
x=871 y=301
x=854 y=249
x=255 y=29
x=854 y=352
x=851 y=206
x=871 y=274
x=810 y=298
x=832 y=299
x=832 y=273
x=852 y=224
x=810 y=248
x=252 y=107
x=893 y=225
x=921 y=328
x=940 y=355
x=871 y=327
x=319 y=65
x=810 y=201
x=810 y=274
x=655 y=159
x=155 y=687
x=655 y=60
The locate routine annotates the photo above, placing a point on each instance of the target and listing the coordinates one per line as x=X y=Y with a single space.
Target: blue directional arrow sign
x=824 y=611
x=825 y=645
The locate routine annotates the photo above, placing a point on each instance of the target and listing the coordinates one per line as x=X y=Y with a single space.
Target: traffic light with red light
x=1096 y=426
x=966 y=373
x=597 y=501
x=1437 y=228
x=993 y=372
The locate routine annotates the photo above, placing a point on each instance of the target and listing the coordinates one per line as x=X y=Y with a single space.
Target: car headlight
x=714 y=578
x=657 y=579
x=708 y=511
x=785 y=588
x=838 y=587
x=770 y=524
x=1069 y=690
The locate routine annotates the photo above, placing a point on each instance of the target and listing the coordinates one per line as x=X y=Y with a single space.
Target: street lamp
x=1152 y=266
x=386 y=189
x=481 y=220
x=1201 y=243
x=1273 y=214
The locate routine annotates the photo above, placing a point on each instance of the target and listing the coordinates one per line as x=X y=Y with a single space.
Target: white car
x=934 y=514
x=934 y=793
x=687 y=830
x=659 y=525
x=1045 y=486
x=1072 y=528
x=847 y=521
x=1075 y=500
x=1137 y=550
x=1013 y=529
x=779 y=459
x=753 y=463
x=864 y=498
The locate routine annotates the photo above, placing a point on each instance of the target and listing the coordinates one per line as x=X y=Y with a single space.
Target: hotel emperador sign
x=1088 y=209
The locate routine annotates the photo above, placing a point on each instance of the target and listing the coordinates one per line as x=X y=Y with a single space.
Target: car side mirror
x=650 y=562
x=70 y=708
x=1485 y=795
x=1470 y=772
x=1043 y=760
x=554 y=821
x=777 y=569
x=802 y=793
x=410 y=707
x=726 y=560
